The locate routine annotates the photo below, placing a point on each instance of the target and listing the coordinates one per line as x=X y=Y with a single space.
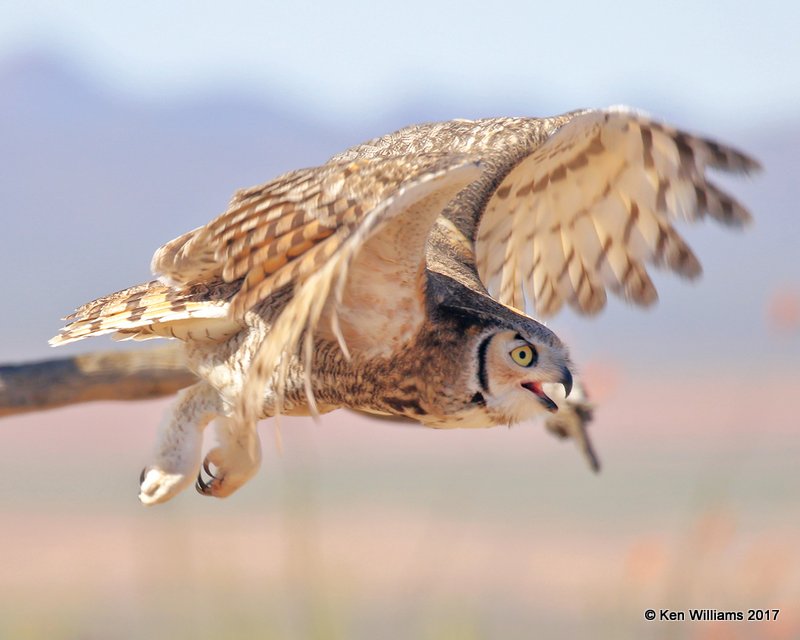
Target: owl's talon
x=212 y=483
x=204 y=486
x=226 y=469
x=201 y=485
x=215 y=484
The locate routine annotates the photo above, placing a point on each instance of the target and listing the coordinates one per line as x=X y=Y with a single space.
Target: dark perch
x=108 y=375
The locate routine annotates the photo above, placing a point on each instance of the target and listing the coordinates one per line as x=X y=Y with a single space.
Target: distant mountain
x=45 y=92
x=34 y=84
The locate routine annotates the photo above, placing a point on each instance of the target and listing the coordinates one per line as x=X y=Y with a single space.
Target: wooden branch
x=113 y=375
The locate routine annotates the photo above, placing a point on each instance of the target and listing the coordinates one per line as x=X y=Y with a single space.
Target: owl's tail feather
x=154 y=310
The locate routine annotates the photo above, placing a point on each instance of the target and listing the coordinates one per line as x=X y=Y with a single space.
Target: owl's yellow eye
x=524 y=356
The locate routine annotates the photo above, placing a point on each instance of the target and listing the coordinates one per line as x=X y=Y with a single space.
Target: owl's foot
x=224 y=471
x=177 y=455
x=157 y=485
x=231 y=464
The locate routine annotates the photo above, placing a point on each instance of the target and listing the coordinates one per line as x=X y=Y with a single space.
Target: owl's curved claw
x=224 y=470
x=203 y=486
x=207 y=468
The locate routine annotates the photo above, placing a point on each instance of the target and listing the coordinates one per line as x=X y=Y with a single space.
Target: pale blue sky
x=348 y=59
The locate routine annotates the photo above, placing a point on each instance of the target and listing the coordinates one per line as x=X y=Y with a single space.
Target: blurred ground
x=364 y=529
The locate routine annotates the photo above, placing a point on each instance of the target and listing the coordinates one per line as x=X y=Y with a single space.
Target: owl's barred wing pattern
x=261 y=223
x=596 y=201
x=154 y=310
x=282 y=231
x=396 y=195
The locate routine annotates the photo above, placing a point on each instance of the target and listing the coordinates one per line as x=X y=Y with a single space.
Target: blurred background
x=124 y=125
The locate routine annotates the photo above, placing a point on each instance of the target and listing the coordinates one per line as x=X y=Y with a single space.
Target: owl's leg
x=229 y=465
x=178 y=445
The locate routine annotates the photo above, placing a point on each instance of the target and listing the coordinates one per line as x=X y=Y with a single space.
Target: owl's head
x=511 y=358
x=513 y=365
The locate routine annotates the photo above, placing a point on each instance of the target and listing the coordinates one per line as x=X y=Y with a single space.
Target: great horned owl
x=394 y=279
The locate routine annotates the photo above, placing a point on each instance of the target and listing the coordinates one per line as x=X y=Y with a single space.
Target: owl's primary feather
x=394 y=278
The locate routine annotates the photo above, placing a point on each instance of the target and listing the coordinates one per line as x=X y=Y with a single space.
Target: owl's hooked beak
x=566 y=381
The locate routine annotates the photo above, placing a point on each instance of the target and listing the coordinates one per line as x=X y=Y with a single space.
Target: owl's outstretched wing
x=286 y=230
x=588 y=209
x=337 y=249
x=348 y=237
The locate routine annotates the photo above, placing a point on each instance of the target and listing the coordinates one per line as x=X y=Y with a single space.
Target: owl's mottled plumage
x=394 y=279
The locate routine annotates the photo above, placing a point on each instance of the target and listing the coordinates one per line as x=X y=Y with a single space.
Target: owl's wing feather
x=309 y=229
x=154 y=310
x=257 y=228
x=280 y=232
x=596 y=202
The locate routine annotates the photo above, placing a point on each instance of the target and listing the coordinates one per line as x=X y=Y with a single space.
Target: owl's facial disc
x=525 y=355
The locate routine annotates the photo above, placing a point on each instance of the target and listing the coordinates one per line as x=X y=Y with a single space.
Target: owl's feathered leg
x=233 y=462
x=178 y=445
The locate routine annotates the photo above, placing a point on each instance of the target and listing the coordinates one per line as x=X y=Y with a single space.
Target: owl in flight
x=394 y=279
